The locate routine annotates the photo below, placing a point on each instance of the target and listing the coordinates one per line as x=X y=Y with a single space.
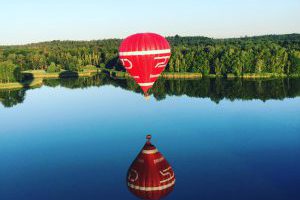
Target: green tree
x=53 y=68
x=295 y=62
x=217 y=67
x=9 y=72
x=260 y=65
x=205 y=67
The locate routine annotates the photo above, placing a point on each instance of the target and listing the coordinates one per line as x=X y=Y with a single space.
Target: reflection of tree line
x=12 y=97
x=79 y=82
x=218 y=89
x=215 y=89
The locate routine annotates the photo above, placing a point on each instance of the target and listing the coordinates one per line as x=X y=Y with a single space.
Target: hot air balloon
x=150 y=176
x=145 y=56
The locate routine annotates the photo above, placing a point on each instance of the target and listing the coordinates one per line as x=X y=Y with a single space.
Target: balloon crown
x=148 y=137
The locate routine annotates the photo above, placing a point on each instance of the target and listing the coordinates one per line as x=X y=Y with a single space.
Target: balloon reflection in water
x=150 y=176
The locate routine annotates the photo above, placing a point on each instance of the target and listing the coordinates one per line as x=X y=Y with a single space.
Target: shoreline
x=62 y=74
x=35 y=77
x=167 y=75
x=37 y=82
x=191 y=75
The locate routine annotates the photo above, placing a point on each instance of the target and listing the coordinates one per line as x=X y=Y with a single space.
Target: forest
x=273 y=54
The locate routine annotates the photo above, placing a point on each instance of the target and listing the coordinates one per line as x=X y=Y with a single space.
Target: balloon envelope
x=145 y=56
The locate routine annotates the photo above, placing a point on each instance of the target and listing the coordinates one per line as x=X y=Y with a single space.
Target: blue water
x=78 y=144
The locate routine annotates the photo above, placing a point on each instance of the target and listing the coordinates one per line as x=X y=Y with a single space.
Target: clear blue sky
x=37 y=20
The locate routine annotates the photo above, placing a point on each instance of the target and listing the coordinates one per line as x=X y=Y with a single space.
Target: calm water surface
x=224 y=139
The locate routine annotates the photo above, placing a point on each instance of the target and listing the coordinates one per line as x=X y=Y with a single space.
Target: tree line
x=277 y=54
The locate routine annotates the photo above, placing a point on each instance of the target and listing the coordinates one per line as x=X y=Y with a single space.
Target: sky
x=31 y=21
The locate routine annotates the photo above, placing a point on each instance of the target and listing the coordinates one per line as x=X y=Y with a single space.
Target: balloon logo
x=150 y=176
x=145 y=56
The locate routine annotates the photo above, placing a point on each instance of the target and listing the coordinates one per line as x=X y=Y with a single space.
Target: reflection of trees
x=218 y=89
x=215 y=89
x=98 y=80
x=9 y=98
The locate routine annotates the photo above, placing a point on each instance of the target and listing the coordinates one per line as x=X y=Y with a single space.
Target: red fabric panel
x=145 y=69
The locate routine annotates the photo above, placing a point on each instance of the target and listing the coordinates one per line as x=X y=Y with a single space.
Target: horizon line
x=112 y=38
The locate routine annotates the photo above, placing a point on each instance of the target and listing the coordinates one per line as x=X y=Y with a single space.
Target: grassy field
x=62 y=74
x=37 y=82
x=263 y=75
x=167 y=75
x=34 y=78
x=186 y=75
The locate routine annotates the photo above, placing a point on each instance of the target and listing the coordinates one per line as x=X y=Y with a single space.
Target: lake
x=225 y=139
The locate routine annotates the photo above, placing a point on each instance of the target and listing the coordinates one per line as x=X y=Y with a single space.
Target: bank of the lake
x=191 y=75
x=34 y=78
x=171 y=75
x=32 y=83
x=61 y=74
x=167 y=75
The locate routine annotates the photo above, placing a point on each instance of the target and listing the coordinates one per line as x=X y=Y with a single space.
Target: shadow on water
x=216 y=89
x=26 y=80
x=67 y=74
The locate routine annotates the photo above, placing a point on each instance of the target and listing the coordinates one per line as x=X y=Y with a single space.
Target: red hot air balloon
x=145 y=56
x=150 y=176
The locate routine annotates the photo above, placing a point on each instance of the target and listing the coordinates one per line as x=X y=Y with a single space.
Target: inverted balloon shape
x=145 y=56
x=150 y=176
